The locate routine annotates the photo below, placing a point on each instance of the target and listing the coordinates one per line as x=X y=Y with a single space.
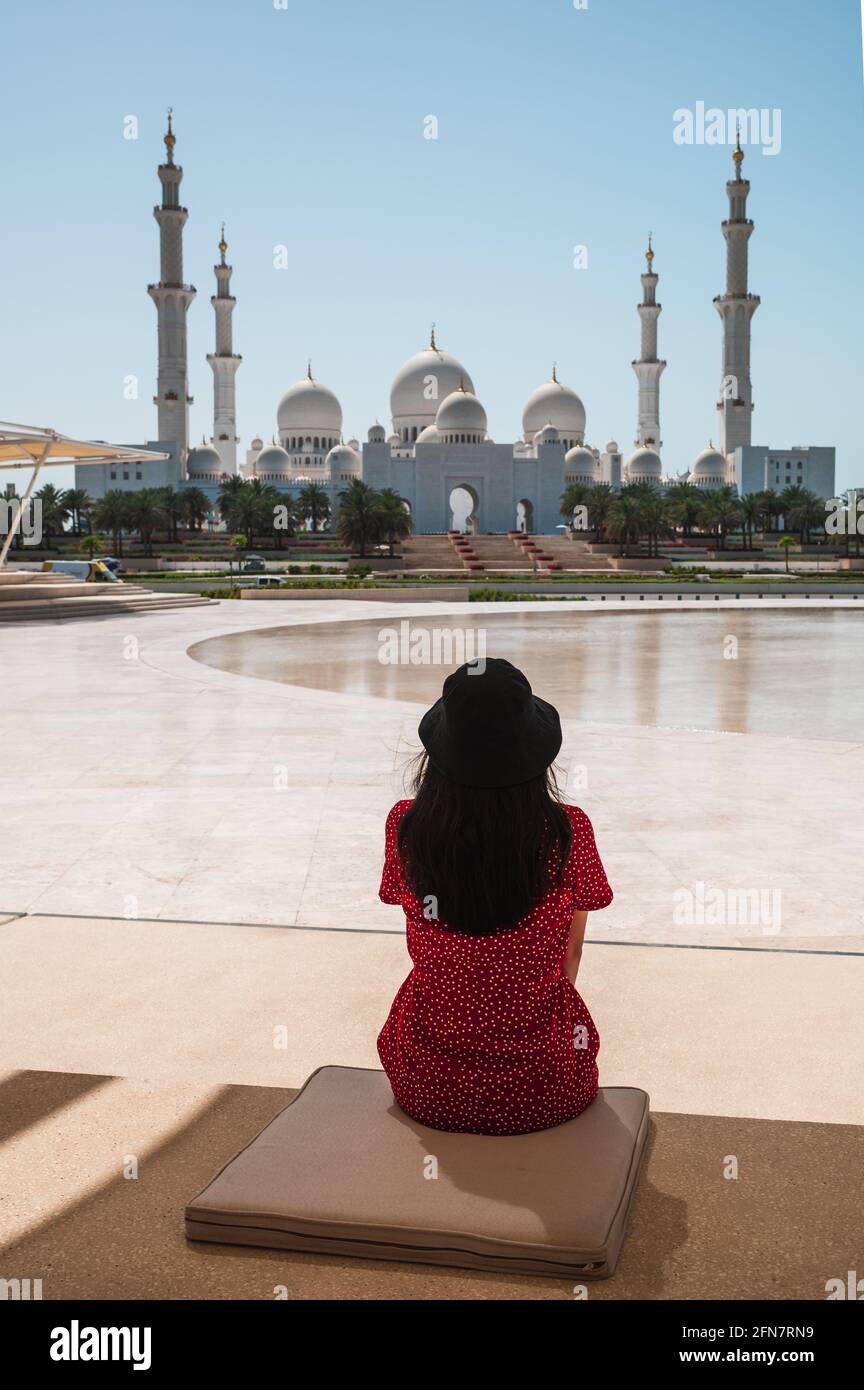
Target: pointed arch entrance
x=464 y=505
x=525 y=515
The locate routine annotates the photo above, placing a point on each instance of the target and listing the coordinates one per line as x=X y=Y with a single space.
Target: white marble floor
x=138 y=783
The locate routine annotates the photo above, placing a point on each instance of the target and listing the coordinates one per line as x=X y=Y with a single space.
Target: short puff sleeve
x=390 y=890
x=583 y=871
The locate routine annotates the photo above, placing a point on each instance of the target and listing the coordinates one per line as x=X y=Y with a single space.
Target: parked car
x=254 y=564
x=269 y=581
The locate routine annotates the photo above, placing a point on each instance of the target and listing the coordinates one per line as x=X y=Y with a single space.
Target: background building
x=439 y=455
x=757 y=467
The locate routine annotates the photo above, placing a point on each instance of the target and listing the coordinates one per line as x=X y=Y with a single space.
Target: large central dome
x=421 y=385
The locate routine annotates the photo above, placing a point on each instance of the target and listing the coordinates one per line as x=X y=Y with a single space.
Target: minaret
x=736 y=308
x=172 y=299
x=649 y=369
x=224 y=362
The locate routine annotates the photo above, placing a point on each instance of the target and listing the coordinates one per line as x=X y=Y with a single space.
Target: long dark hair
x=486 y=856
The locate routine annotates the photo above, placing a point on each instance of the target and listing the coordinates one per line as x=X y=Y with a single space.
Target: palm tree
x=622 y=524
x=359 y=517
x=173 y=510
x=313 y=504
x=264 y=498
x=91 y=545
x=596 y=498
x=229 y=490
x=238 y=545
x=600 y=500
x=652 y=520
x=721 y=512
x=55 y=511
x=684 y=507
x=574 y=495
x=393 y=516
x=771 y=508
x=284 y=512
x=752 y=513
x=803 y=510
x=249 y=508
x=634 y=492
x=196 y=507
x=113 y=513
x=80 y=504
x=147 y=515
x=785 y=544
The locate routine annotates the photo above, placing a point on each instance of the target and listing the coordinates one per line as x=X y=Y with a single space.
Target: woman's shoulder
x=578 y=818
x=394 y=815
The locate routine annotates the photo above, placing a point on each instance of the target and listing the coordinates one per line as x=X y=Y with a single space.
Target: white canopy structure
x=29 y=446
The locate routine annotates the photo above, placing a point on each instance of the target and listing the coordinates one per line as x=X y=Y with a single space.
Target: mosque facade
x=438 y=454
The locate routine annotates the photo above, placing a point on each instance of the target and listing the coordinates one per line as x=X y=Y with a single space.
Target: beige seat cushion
x=343 y=1171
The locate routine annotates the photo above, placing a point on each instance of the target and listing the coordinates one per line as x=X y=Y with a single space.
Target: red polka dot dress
x=487 y=1035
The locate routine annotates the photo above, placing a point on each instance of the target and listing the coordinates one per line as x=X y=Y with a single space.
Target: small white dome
x=311 y=406
x=377 y=434
x=612 y=447
x=203 y=461
x=257 y=443
x=581 y=461
x=343 y=459
x=429 y=435
x=422 y=384
x=273 y=459
x=461 y=413
x=644 y=465
x=548 y=434
x=557 y=404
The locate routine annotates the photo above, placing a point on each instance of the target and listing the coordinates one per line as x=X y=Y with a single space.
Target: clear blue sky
x=304 y=126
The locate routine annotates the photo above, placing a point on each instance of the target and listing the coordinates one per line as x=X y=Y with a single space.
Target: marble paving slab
x=139 y=783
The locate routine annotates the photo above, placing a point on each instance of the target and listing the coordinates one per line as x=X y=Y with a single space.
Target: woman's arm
x=573 y=953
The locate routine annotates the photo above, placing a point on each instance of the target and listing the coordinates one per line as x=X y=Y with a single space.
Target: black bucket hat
x=489 y=729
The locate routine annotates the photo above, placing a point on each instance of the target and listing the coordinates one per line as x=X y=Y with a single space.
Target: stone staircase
x=513 y=553
x=502 y=553
x=517 y=553
x=33 y=596
x=430 y=555
x=574 y=555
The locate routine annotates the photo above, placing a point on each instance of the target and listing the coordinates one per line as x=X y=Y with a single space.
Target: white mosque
x=438 y=455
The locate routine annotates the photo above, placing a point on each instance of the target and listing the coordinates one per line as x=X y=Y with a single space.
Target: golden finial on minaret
x=170 y=137
x=649 y=254
x=309 y=376
x=223 y=245
x=433 y=345
x=738 y=153
x=555 y=372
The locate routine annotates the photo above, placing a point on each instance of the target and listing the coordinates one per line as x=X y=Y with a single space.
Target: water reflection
x=784 y=673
